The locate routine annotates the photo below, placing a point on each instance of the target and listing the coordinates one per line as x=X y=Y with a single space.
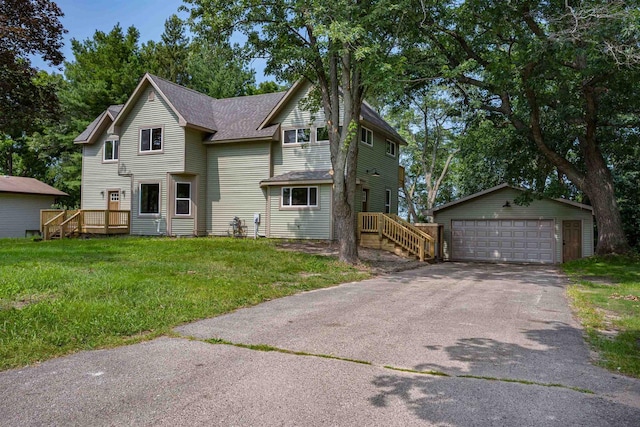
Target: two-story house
x=186 y=164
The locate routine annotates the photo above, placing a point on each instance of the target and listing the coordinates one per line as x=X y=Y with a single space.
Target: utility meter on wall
x=256 y=218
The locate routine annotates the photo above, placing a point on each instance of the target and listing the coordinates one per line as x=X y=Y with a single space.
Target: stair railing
x=412 y=242
x=431 y=242
x=70 y=225
x=51 y=224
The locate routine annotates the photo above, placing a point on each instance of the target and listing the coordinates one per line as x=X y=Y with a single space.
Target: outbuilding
x=20 y=202
x=490 y=226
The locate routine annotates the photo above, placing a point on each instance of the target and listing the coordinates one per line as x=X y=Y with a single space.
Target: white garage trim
x=503 y=240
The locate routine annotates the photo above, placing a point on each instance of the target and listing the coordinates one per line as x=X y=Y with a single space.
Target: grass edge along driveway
x=63 y=296
x=605 y=295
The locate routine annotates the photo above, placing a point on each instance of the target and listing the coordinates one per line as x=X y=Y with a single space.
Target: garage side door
x=508 y=240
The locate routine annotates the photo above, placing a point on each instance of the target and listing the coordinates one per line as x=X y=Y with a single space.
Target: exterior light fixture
x=506 y=204
x=373 y=172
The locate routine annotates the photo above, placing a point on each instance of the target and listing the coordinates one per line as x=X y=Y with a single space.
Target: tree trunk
x=599 y=187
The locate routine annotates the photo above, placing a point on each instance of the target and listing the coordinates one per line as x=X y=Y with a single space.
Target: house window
x=322 y=134
x=149 y=199
x=299 y=196
x=297 y=136
x=111 y=150
x=151 y=139
x=183 y=198
x=387 y=201
x=366 y=136
x=391 y=148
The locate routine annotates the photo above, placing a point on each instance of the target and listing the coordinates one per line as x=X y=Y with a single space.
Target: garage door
x=509 y=240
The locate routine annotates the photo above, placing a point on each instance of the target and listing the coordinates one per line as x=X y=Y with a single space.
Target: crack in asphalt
x=270 y=348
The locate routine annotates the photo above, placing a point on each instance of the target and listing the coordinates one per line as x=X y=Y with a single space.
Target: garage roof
x=500 y=187
x=19 y=184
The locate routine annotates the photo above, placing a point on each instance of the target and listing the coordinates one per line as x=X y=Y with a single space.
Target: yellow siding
x=99 y=177
x=196 y=163
x=301 y=223
x=490 y=205
x=234 y=172
x=151 y=167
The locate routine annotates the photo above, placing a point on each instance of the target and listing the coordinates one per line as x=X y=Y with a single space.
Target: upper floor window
x=322 y=134
x=297 y=136
x=183 y=198
x=299 y=196
x=391 y=148
x=151 y=139
x=366 y=136
x=111 y=150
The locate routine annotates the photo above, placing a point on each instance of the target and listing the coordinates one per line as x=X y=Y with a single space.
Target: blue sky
x=83 y=17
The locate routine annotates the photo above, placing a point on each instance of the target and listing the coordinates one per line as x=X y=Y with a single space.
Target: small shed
x=490 y=226
x=21 y=200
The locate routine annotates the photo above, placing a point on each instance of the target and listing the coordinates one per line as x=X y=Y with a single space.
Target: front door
x=365 y=200
x=114 y=205
x=114 y=201
x=571 y=240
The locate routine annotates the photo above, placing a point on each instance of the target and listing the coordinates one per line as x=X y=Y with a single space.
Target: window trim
x=176 y=199
x=115 y=149
x=149 y=214
x=387 y=206
x=369 y=131
x=296 y=144
x=150 y=151
x=299 y=207
x=395 y=148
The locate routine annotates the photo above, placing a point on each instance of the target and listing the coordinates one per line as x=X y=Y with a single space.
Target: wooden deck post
x=106 y=222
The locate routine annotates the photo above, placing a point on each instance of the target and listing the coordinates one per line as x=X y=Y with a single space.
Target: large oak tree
x=564 y=75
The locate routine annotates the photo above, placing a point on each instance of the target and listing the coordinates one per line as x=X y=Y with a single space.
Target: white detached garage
x=20 y=202
x=489 y=226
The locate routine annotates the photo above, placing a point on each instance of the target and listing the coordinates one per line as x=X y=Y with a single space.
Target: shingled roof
x=111 y=113
x=23 y=185
x=228 y=119
x=195 y=108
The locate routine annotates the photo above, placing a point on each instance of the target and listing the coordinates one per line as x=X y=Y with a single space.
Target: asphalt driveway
x=500 y=338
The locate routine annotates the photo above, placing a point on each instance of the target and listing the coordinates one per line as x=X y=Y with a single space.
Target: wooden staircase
x=391 y=233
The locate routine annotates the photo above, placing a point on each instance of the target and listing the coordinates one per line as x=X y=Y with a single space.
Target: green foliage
x=63 y=296
x=606 y=297
x=28 y=27
x=557 y=74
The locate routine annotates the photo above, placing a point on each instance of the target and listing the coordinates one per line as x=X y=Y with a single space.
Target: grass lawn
x=606 y=297
x=59 y=297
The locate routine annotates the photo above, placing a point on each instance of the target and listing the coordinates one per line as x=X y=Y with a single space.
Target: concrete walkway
x=493 y=329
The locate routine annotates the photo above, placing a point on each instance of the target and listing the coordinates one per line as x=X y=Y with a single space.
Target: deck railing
x=64 y=223
x=400 y=232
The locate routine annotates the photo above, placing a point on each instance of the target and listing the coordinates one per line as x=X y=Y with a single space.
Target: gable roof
x=226 y=120
x=501 y=187
x=367 y=113
x=23 y=185
x=94 y=128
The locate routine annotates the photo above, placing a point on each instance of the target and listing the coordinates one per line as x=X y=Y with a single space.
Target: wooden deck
x=59 y=224
x=390 y=232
